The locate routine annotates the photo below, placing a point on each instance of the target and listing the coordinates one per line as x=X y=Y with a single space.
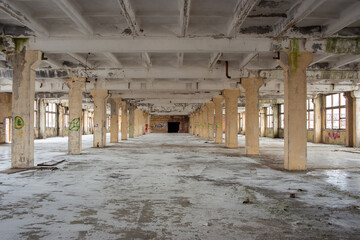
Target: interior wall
x=159 y=124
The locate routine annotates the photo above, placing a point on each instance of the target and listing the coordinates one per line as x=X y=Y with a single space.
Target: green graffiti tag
x=74 y=124
x=19 y=122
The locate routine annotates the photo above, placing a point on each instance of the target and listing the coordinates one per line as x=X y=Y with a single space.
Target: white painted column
x=24 y=64
x=76 y=86
x=100 y=99
x=318 y=118
x=131 y=120
x=42 y=119
x=294 y=64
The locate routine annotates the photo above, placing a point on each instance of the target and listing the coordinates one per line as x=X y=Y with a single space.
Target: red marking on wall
x=334 y=135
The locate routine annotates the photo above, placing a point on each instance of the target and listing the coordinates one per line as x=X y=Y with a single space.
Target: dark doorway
x=173 y=127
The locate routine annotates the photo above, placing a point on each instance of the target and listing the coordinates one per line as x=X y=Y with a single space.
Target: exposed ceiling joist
x=113 y=59
x=81 y=60
x=145 y=57
x=247 y=59
x=213 y=60
x=320 y=58
x=298 y=12
x=75 y=15
x=242 y=10
x=180 y=60
x=24 y=18
x=347 y=17
x=345 y=60
x=129 y=14
x=184 y=16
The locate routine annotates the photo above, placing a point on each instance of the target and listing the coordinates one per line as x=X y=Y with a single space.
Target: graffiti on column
x=74 y=124
x=19 y=122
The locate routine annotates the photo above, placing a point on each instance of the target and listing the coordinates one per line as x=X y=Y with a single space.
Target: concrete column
x=356 y=118
x=131 y=120
x=42 y=119
x=100 y=99
x=136 y=122
x=218 y=119
x=86 y=122
x=148 y=123
x=114 y=121
x=244 y=123
x=124 y=121
x=210 y=119
x=24 y=64
x=263 y=122
x=251 y=86
x=76 y=86
x=197 y=123
x=276 y=122
x=294 y=64
x=201 y=123
x=231 y=108
x=205 y=123
x=318 y=118
x=5 y=112
x=349 y=119
x=61 y=123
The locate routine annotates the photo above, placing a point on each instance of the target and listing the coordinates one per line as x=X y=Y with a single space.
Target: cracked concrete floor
x=177 y=186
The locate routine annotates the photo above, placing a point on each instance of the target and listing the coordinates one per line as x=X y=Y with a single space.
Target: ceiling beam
x=347 y=17
x=298 y=12
x=74 y=14
x=320 y=58
x=184 y=16
x=53 y=63
x=345 y=60
x=155 y=44
x=24 y=18
x=213 y=60
x=242 y=10
x=145 y=58
x=247 y=59
x=129 y=14
x=113 y=59
x=83 y=61
x=180 y=60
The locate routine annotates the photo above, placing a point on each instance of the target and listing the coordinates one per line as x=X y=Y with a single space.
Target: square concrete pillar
x=294 y=64
x=276 y=124
x=76 y=86
x=42 y=119
x=244 y=123
x=124 y=121
x=349 y=119
x=24 y=64
x=131 y=120
x=114 y=119
x=318 y=118
x=61 y=123
x=205 y=123
x=218 y=119
x=100 y=99
x=356 y=118
x=251 y=86
x=263 y=122
x=136 y=122
x=197 y=123
x=210 y=119
x=231 y=110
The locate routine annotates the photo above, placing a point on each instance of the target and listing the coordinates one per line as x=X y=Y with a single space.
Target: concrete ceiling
x=168 y=56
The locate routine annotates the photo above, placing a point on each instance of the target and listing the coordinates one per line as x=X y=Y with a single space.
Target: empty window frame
x=50 y=115
x=309 y=114
x=335 y=110
x=281 y=116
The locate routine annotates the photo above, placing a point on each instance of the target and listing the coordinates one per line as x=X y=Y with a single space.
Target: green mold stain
x=343 y=45
x=19 y=43
x=294 y=54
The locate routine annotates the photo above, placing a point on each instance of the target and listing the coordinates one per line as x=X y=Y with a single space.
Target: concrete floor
x=177 y=186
